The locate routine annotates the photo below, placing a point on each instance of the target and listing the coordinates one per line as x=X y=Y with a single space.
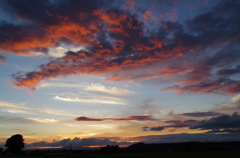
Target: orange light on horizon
x=99 y=146
x=44 y=147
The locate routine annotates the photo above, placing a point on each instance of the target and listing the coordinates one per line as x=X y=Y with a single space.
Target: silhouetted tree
x=110 y=149
x=14 y=144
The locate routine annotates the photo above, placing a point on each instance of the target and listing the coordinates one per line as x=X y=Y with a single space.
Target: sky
x=99 y=72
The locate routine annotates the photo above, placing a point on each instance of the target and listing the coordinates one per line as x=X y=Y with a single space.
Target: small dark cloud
x=2 y=59
x=42 y=50
x=226 y=130
x=131 y=118
x=158 y=128
x=200 y=114
x=169 y=124
x=83 y=118
x=178 y=125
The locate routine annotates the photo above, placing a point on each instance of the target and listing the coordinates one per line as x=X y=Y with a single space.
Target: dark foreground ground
x=212 y=154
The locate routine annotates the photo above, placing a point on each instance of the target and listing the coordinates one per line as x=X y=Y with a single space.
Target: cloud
x=122 y=46
x=218 y=122
x=64 y=85
x=83 y=118
x=171 y=138
x=18 y=111
x=2 y=59
x=179 y=124
x=21 y=120
x=77 y=142
x=226 y=130
x=90 y=100
x=131 y=118
x=24 y=106
x=59 y=51
x=184 y=137
x=98 y=87
x=13 y=105
x=201 y=114
x=53 y=26
x=169 y=124
x=236 y=99
x=158 y=128
x=229 y=71
x=41 y=120
x=17 y=120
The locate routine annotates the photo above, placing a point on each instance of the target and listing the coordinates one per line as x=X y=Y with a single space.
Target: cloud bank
x=77 y=143
x=217 y=124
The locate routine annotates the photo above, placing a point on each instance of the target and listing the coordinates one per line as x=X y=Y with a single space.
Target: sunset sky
x=98 y=72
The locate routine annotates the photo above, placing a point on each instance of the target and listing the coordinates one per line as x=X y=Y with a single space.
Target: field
x=218 y=154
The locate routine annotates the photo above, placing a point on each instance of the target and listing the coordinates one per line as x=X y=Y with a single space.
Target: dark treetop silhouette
x=14 y=144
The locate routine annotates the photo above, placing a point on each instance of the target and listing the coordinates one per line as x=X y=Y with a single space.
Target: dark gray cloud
x=83 y=118
x=226 y=130
x=218 y=122
x=184 y=137
x=77 y=142
x=131 y=118
x=170 y=138
x=201 y=114
x=230 y=71
x=2 y=59
x=170 y=124
x=158 y=128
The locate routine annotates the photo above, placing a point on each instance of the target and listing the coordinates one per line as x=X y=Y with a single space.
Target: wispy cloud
x=14 y=105
x=41 y=120
x=18 y=111
x=90 y=100
x=60 y=85
x=15 y=120
x=98 y=87
x=71 y=125
x=24 y=106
